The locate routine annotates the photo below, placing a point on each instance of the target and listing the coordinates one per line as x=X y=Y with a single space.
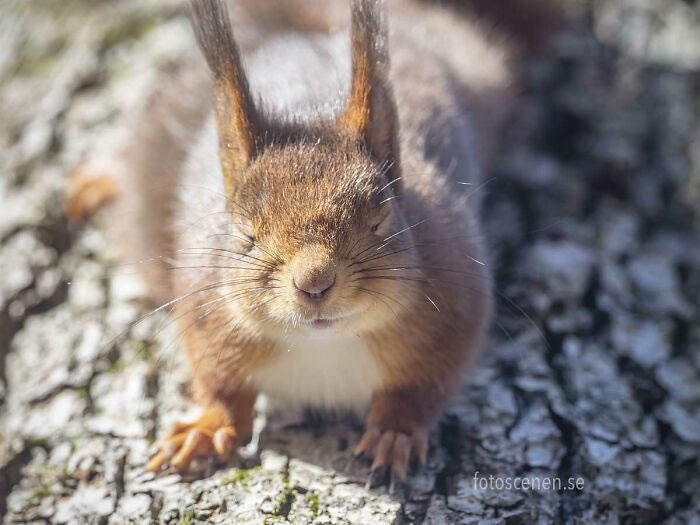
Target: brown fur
x=310 y=195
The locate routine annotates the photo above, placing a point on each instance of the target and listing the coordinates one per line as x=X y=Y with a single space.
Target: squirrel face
x=313 y=202
x=316 y=221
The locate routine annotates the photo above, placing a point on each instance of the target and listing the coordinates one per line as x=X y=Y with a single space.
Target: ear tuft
x=370 y=111
x=237 y=120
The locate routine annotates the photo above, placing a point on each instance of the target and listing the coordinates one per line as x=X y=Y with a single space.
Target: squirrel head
x=316 y=207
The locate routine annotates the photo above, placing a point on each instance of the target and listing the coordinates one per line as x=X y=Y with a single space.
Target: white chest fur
x=327 y=370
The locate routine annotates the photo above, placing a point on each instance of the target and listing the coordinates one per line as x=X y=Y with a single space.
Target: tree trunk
x=592 y=373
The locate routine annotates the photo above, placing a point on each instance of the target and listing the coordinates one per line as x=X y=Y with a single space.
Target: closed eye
x=380 y=222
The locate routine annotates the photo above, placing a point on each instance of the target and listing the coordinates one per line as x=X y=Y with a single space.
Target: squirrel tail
x=530 y=23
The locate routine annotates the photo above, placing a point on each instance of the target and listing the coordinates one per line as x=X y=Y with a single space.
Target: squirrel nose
x=313 y=272
x=315 y=285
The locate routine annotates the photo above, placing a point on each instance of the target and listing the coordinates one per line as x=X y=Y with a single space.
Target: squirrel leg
x=221 y=427
x=397 y=430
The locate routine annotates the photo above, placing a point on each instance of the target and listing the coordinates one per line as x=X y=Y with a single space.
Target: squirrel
x=317 y=229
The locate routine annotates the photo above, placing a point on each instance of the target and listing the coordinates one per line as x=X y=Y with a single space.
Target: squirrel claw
x=372 y=477
x=352 y=462
x=396 y=485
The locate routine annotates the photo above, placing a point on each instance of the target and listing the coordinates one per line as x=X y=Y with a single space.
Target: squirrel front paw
x=216 y=433
x=188 y=441
x=397 y=430
x=392 y=450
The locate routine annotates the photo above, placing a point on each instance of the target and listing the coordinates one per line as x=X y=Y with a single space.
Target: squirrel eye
x=374 y=228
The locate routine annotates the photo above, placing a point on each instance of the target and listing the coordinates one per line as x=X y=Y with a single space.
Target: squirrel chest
x=329 y=369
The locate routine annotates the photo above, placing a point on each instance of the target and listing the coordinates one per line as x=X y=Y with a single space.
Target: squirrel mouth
x=326 y=322
x=323 y=323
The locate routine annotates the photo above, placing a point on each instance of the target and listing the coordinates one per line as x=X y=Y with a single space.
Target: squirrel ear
x=237 y=121
x=370 y=111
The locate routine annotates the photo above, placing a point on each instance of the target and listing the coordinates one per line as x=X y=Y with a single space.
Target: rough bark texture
x=593 y=369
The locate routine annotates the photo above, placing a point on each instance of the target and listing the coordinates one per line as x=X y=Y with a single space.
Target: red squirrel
x=320 y=222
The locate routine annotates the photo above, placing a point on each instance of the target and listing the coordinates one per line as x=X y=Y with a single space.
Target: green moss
x=189 y=517
x=239 y=477
x=41 y=493
x=314 y=503
x=283 y=505
x=284 y=501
